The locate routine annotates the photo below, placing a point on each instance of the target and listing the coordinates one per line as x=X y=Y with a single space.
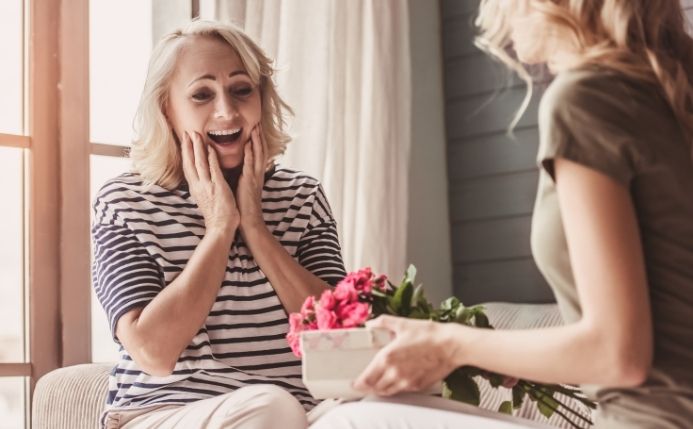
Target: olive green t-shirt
x=625 y=129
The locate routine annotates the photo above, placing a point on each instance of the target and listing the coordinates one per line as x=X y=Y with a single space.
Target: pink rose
x=327 y=300
x=308 y=306
x=294 y=336
x=345 y=292
x=361 y=280
x=295 y=322
x=326 y=318
x=380 y=282
x=353 y=314
x=294 y=340
x=364 y=280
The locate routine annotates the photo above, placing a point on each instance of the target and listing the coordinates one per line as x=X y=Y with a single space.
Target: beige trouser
x=251 y=407
x=417 y=411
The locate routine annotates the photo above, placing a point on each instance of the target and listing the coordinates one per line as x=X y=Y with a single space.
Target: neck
x=232 y=175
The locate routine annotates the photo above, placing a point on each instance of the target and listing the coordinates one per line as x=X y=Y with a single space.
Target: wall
x=492 y=178
x=429 y=226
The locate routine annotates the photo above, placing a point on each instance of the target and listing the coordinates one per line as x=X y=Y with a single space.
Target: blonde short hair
x=155 y=156
x=644 y=39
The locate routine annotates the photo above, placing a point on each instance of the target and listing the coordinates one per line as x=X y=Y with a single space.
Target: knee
x=266 y=405
x=345 y=416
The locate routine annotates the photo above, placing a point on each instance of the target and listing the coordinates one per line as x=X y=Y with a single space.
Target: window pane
x=118 y=64
x=11 y=257
x=12 y=399
x=103 y=349
x=11 y=70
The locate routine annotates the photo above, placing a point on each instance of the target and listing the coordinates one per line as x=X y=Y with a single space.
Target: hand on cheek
x=251 y=181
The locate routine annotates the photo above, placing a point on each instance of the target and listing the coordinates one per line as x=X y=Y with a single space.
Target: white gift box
x=332 y=359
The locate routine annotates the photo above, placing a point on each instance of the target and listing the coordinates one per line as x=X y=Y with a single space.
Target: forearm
x=169 y=322
x=292 y=282
x=573 y=354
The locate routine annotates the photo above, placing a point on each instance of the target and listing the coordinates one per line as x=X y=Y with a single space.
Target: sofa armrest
x=71 y=397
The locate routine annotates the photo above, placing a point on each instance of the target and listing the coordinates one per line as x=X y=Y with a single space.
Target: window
x=14 y=367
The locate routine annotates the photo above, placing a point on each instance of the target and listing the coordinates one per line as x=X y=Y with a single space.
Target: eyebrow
x=210 y=77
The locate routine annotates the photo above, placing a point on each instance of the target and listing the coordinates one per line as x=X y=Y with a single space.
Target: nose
x=224 y=107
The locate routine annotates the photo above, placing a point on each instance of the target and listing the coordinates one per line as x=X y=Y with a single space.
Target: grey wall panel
x=428 y=231
x=491 y=240
x=458 y=37
x=477 y=74
x=492 y=177
x=454 y=8
x=514 y=280
x=487 y=113
x=492 y=154
x=498 y=196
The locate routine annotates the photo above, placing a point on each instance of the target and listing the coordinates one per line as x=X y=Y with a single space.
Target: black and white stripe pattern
x=143 y=240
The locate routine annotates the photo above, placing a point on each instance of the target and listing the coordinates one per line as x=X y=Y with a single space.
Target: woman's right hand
x=208 y=187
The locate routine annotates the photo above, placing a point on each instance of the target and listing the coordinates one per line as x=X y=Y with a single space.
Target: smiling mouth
x=225 y=136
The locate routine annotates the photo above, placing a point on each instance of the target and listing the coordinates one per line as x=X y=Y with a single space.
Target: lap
x=251 y=407
x=415 y=411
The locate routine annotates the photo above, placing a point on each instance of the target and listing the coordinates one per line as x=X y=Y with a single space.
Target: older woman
x=612 y=230
x=203 y=249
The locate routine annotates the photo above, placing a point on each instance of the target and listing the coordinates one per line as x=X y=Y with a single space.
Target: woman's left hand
x=421 y=354
x=249 y=192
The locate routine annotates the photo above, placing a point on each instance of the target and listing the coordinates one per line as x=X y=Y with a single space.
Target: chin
x=228 y=164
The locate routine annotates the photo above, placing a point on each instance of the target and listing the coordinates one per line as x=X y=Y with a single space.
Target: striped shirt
x=142 y=241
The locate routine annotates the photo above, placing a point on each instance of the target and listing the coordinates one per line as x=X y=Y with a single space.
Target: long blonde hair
x=154 y=155
x=643 y=39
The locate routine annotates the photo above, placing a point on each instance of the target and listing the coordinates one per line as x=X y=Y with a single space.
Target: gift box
x=333 y=359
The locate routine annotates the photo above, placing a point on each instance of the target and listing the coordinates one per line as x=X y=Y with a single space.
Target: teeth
x=224 y=132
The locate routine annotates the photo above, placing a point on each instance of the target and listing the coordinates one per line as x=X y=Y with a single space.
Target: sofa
x=73 y=397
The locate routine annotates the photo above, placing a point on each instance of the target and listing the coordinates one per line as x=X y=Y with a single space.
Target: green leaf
x=417 y=313
x=417 y=297
x=410 y=274
x=506 y=407
x=401 y=301
x=463 y=314
x=447 y=393
x=518 y=396
x=463 y=388
x=389 y=309
x=495 y=380
x=481 y=321
x=450 y=304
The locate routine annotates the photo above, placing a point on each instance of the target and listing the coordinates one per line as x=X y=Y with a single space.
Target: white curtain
x=345 y=68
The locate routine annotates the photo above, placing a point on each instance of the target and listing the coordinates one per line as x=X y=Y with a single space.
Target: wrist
x=253 y=225
x=455 y=340
x=225 y=234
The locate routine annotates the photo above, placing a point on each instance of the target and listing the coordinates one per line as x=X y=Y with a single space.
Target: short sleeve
x=585 y=118
x=318 y=250
x=124 y=274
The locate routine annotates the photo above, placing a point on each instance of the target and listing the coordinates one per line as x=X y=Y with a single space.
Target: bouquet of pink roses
x=362 y=295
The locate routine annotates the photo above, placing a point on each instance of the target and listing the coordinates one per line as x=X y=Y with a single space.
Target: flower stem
x=538 y=395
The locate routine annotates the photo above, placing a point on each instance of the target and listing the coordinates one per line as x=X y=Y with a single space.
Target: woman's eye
x=200 y=96
x=243 y=91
